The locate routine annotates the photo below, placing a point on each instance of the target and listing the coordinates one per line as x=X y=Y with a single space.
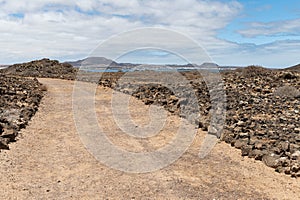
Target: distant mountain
x=210 y=65
x=294 y=68
x=93 y=61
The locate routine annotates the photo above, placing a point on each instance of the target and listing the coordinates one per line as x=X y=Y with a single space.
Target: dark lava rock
x=4 y=143
x=271 y=160
x=44 y=68
x=20 y=98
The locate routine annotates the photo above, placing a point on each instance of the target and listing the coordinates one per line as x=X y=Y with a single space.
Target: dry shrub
x=253 y=71
x=287 y=91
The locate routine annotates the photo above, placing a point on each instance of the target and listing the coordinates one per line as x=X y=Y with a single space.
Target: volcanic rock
x=19 y=101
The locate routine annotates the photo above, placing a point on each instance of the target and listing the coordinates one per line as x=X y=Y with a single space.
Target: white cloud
x=72 y=29
x=282 y=53
x=55 y=28
x=277 y=28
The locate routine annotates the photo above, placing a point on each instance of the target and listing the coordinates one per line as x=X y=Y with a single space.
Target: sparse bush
x=252 y=71
x=287 y=91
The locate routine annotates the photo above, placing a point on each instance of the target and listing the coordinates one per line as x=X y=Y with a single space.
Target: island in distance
x=102 y=64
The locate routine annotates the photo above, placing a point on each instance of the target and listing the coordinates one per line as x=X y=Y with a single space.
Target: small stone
x=294 y=148
x=212 y=130
x=287 y=170
x=295 y=174
x=237 y=129
x=258 y=145
x=296 y=155
x=240 y=143
x=271 y=160
x=295 y=167
x=246 y=150
x=257 y=154
x=285 y=146
x=276 y=150
x=4 y=143
x=244 y=135
x=252 y=141
x=260 y=133
x=240 y=123
x=279 y=169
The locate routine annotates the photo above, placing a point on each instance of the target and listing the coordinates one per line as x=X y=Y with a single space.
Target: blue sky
x=233 y=32
x=267 y=11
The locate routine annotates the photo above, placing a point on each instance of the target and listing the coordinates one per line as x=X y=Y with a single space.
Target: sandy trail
x=49 y=161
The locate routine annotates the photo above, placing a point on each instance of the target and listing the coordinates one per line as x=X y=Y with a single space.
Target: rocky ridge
x=294 y=68
x=44 y=68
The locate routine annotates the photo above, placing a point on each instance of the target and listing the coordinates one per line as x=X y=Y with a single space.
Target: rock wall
x=262 y=119
x=20 y=98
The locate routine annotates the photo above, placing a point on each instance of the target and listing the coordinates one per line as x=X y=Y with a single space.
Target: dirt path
x=49 y=162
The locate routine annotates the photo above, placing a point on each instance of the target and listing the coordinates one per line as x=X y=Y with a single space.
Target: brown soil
x=49 y=162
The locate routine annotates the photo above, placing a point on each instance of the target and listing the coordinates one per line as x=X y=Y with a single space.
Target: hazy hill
x=3 y=66
x=90 y=61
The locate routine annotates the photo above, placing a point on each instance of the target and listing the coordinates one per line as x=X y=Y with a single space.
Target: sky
x=231 y=32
